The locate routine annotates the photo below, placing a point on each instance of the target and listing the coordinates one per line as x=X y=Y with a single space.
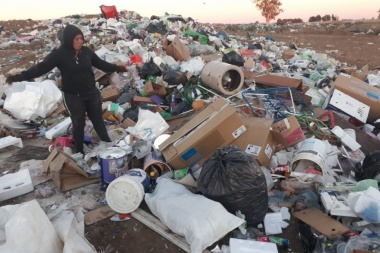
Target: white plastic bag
x=149 y=125
x=69 y=224
x=201 y=220
x=194 y=65
x=29 y=100
x=366 y=204
x=27 y=229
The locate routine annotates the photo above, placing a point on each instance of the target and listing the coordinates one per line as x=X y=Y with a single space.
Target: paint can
x=155 y=164
x=311 y=154
x=113 y=163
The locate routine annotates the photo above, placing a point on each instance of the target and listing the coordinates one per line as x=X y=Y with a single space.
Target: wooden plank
x=98 y=214
x=157 y=226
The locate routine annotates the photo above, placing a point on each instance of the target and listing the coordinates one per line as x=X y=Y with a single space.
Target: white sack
x=202 y=221
x=29 y=100
x=26 y=229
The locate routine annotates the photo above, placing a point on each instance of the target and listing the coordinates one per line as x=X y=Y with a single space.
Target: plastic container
x=124 y=194
x=223 y=77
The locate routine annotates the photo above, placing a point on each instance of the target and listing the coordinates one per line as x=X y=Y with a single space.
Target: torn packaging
x=177 y=49
x=65 y=173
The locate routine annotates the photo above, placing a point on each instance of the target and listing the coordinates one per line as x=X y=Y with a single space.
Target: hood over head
x=69 y=34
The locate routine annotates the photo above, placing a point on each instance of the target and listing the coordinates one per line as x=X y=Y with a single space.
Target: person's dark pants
x=77 y=106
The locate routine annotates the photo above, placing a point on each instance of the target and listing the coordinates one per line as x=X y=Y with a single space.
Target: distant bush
x=326 y=18
x=250 y=28
x=289 y=21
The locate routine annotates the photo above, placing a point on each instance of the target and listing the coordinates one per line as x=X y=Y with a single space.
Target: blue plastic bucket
x=113 y=163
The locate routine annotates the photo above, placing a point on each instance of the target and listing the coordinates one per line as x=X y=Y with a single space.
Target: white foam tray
x=15 y=184
x=10 y=140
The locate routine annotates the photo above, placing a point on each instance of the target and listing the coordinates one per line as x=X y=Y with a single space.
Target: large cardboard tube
x=223 y=77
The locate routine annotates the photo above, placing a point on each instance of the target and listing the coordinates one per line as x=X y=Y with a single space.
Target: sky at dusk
x=205 y=11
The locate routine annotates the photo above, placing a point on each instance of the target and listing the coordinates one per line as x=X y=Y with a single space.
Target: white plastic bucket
x=312 y=152
x=124 y=194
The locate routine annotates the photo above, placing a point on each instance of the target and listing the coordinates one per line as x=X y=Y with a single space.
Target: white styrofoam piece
x=249 y=246
x=301 y=63
x=10 y=140
x=272 y=223
x=15 y=184
x=345 y=138
x=58 y=129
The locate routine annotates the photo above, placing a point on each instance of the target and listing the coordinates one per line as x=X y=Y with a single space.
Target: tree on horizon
x=270 y=9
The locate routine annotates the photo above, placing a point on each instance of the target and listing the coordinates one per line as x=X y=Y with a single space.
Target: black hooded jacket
x=77 y=74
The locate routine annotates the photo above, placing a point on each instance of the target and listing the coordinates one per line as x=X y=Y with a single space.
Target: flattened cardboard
x=176 y=49
x=361 y=91
x=139 y=99
x=288 y=132
x=215 y=126
x=65 y=173
x=98 y=214
x=279 y=81
x=322 y=223
x=258 y=140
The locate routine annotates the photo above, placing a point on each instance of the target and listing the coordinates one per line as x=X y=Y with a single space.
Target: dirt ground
x=131 y=235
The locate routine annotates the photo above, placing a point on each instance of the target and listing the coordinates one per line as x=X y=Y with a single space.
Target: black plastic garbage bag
x=172 y=77
x=370 y=168
x=149 y=68
x=234 y=179
x=233 y=58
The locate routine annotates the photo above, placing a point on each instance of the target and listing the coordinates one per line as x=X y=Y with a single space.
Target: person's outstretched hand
x=121 y=68
x=14 y=78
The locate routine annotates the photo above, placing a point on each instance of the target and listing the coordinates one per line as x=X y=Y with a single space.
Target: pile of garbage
x=237 y=134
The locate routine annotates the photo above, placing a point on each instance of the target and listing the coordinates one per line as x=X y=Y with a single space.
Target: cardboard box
x=215 y=126
x=110 y=93
x=288 y=54
x=258 y=140
x=176 y=49
x=151 y=88
x=65 y=173
x=361 y=91
x=127 y=123
x=348 y=105
x=110 y=116
x=287 y=132
x=322 y=223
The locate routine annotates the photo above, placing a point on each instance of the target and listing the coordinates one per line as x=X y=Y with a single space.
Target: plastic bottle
x=173 y=101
